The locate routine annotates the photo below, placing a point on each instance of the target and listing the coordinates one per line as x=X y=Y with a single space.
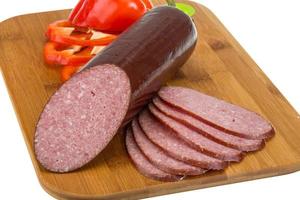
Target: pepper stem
x=171 y=3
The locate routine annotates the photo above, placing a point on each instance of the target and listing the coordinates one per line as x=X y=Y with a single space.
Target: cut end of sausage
x=81 y=118
x=142 y=164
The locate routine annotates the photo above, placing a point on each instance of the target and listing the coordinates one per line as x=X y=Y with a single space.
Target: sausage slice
x=217 y=135
x=159 y=158
x=218 y=113
x=196 y=140
x=165 y=138
x=142 y=164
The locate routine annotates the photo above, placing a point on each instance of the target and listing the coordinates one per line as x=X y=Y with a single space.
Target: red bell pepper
x=57 y=54
x=76 y=9
x=64 y=32
x=108 y=15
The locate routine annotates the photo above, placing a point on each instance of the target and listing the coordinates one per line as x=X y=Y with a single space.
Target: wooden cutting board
x=219 y=67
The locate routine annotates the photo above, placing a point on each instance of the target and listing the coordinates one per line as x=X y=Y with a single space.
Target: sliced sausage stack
x=183 y=132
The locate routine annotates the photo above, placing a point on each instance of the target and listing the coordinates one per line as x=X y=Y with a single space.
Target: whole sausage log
x=85 y=113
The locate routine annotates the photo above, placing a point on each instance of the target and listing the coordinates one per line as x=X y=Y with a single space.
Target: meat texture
x=81 y=118
x=218 y=113
x=196 y=140
x=210 y=132
x=165 y=138
x=159 y=158
x=142 y=164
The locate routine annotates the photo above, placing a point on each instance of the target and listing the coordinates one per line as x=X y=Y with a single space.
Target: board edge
x=169 y=188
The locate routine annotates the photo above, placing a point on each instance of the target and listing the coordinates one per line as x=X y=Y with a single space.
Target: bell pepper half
x=108 y=15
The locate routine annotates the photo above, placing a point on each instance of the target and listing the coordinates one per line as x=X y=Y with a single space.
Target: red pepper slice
x=64 y=33
x=108 y=15
x=61 y=27
x=68 y=71
x=57 y=54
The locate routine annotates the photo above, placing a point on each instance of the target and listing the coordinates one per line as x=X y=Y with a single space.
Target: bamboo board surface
x=219 y=67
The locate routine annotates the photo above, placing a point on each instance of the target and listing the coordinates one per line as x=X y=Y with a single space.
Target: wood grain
x=219 y=67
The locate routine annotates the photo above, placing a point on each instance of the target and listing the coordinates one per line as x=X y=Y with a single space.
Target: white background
x=268 y=30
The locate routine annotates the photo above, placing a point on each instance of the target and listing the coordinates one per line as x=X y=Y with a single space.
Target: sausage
x=142 y=164
x=212 y=133
x=197 y=140
x=71 y=132
x=218 y=113
x=165 y=138
x=81 y=118
x=159 y=158
x=151 y=50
